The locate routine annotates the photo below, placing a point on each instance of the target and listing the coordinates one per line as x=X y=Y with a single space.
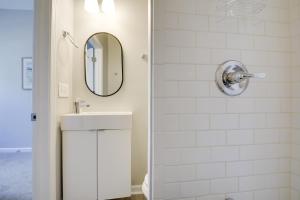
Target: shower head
x=241 y=7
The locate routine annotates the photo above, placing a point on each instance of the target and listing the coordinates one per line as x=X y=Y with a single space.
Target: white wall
x=62 y=57
x=130 y=26
x=16 y=4
x=15 y=103
x=208 y=145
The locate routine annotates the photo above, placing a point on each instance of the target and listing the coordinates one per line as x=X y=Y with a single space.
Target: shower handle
x=232 y=77
x=238 y=77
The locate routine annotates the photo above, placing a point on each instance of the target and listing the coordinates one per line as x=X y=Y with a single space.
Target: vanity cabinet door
x=114 y=164
x=80 y=165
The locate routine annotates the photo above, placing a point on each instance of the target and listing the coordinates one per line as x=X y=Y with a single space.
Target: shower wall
x=295 y=37
x=208 y=146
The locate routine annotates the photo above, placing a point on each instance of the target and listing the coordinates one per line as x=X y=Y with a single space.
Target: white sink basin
x=96 y=121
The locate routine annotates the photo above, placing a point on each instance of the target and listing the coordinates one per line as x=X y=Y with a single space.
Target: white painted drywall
x=15 y=103
x=130 y=26
x=16 y=4
x=62 y=59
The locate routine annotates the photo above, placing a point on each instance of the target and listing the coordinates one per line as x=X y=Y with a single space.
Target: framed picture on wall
x=27 y=71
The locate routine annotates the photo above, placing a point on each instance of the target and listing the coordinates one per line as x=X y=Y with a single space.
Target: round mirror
x=103 y=64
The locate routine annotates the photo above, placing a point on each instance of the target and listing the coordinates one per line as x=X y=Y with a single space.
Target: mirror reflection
x=103 y=64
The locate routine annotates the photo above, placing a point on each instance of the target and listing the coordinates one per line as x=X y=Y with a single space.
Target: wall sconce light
x=108 y=6
x=91 y=6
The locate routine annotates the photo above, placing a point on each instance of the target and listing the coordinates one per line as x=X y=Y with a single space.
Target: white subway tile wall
x=295 y=103
x=208 y=146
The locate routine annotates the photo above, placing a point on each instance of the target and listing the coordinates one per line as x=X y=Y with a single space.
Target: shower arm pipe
x=66 y=34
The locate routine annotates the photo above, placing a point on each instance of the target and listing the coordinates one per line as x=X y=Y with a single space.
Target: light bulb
x=91 y=6
x=108 y=6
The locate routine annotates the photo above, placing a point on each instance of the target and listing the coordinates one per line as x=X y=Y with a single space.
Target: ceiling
x=16 y=4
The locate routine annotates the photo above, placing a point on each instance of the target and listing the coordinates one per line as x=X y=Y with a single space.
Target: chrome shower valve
x=238 y=77
x=232 y=77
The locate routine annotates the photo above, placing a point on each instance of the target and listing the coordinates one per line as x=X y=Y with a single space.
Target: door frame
x=43 y=152
x=44 y=180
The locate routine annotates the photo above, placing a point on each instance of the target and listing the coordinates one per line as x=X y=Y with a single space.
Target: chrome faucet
x=79 y=104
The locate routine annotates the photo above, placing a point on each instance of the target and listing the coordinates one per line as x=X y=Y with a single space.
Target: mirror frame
x=122 y=62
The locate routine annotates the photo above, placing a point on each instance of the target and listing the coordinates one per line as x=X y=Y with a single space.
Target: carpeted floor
x=15 y=176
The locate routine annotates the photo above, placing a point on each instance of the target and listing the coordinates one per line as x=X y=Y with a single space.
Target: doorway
x=16 y=37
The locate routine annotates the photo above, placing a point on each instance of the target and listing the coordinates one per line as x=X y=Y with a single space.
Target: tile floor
x=135 y=197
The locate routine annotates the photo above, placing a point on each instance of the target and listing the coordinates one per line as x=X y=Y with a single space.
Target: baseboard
x=15 y=150
x=136 y=189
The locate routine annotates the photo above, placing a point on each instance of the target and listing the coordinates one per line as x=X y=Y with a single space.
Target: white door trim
x=43 y=95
